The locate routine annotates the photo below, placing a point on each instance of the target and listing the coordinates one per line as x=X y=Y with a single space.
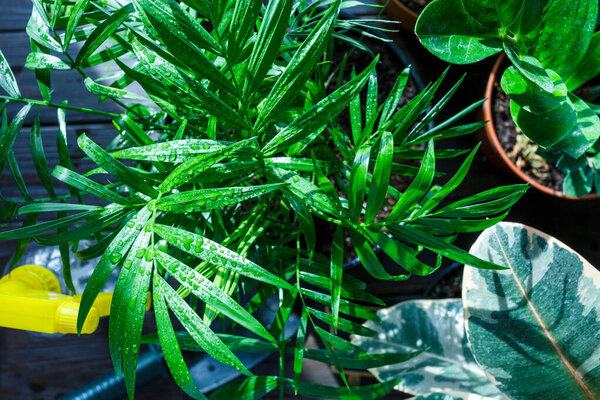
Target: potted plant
x=405 y=11
x=218 y=202
x=552 y=49
x=522 y=318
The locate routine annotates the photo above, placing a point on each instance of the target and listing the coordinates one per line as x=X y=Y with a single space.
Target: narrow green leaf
x=369 y=259
x=208 y=199
x=299 y=347
x=103 y=32
x=418 y=187
x=358 y=181
x=39 y=156
x=16 y=173
x=114 y=253
x=10 y=134
x=420 y=238
x=174 y=151
x=39 y=60
x=84 y=184
x=381 y=177
x=210 y=294
x=343 y=324
x=336 y=273
x=7 y=78
x=76 y=14
x=269 y=38
x=114 y=167
x=217 y=254
x=400 y=254
x=250 y=388
x=108 y=91
x=168 y=341
x=202 y=334
x=55 y=207
x=320 y=114
x=38 y=229
x=298 y=69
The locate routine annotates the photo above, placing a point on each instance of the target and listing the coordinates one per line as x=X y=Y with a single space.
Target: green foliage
x=216 y=192
x=515 y=337
x=554 y=50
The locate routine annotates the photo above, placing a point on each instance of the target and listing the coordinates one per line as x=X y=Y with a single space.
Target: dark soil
x=519 y=148
x=416 y=5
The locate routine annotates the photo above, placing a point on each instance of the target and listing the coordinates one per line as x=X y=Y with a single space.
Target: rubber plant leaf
x=530 y=312
x=436 y=329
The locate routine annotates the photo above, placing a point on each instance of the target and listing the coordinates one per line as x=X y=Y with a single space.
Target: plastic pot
x=494 y=151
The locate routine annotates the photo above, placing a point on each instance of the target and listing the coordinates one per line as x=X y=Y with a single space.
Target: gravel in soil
x=521 y=150
x=416 y=5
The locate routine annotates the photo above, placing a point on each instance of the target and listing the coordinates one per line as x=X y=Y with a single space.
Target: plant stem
x=60 y=105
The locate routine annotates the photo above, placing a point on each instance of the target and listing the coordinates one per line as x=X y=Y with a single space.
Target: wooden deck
x=41 y=367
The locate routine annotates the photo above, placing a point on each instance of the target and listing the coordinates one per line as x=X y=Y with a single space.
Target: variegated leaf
x=447 y=367
x=535 y=327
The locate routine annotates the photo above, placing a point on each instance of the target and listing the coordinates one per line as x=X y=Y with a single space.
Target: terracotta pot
x=493 y=149
x=395 y=9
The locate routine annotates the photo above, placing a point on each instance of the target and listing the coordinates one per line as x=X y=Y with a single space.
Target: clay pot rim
x=492 y=138
x=398 y=9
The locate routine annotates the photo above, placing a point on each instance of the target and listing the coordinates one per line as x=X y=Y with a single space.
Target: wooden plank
x=67 y=85
x=15 y=14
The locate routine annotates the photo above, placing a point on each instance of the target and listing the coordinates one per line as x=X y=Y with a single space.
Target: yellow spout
x=30 y=299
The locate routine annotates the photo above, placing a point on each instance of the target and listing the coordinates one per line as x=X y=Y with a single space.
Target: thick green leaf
x=446 y=28
x=445 y=365
x=298 y=69
x=588 y=67
x=210 y=294
x=528 y=314
x=531 y=68
x=217 y=254
x=566 y=34
x=201 y=333
x=585 y=133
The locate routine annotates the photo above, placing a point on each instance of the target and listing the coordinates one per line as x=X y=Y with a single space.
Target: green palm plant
x=213 y=195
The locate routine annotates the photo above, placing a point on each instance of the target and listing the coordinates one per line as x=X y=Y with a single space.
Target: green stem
x=60 y=105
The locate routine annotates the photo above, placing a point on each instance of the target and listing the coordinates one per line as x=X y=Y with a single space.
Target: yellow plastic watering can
x=31 y=299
